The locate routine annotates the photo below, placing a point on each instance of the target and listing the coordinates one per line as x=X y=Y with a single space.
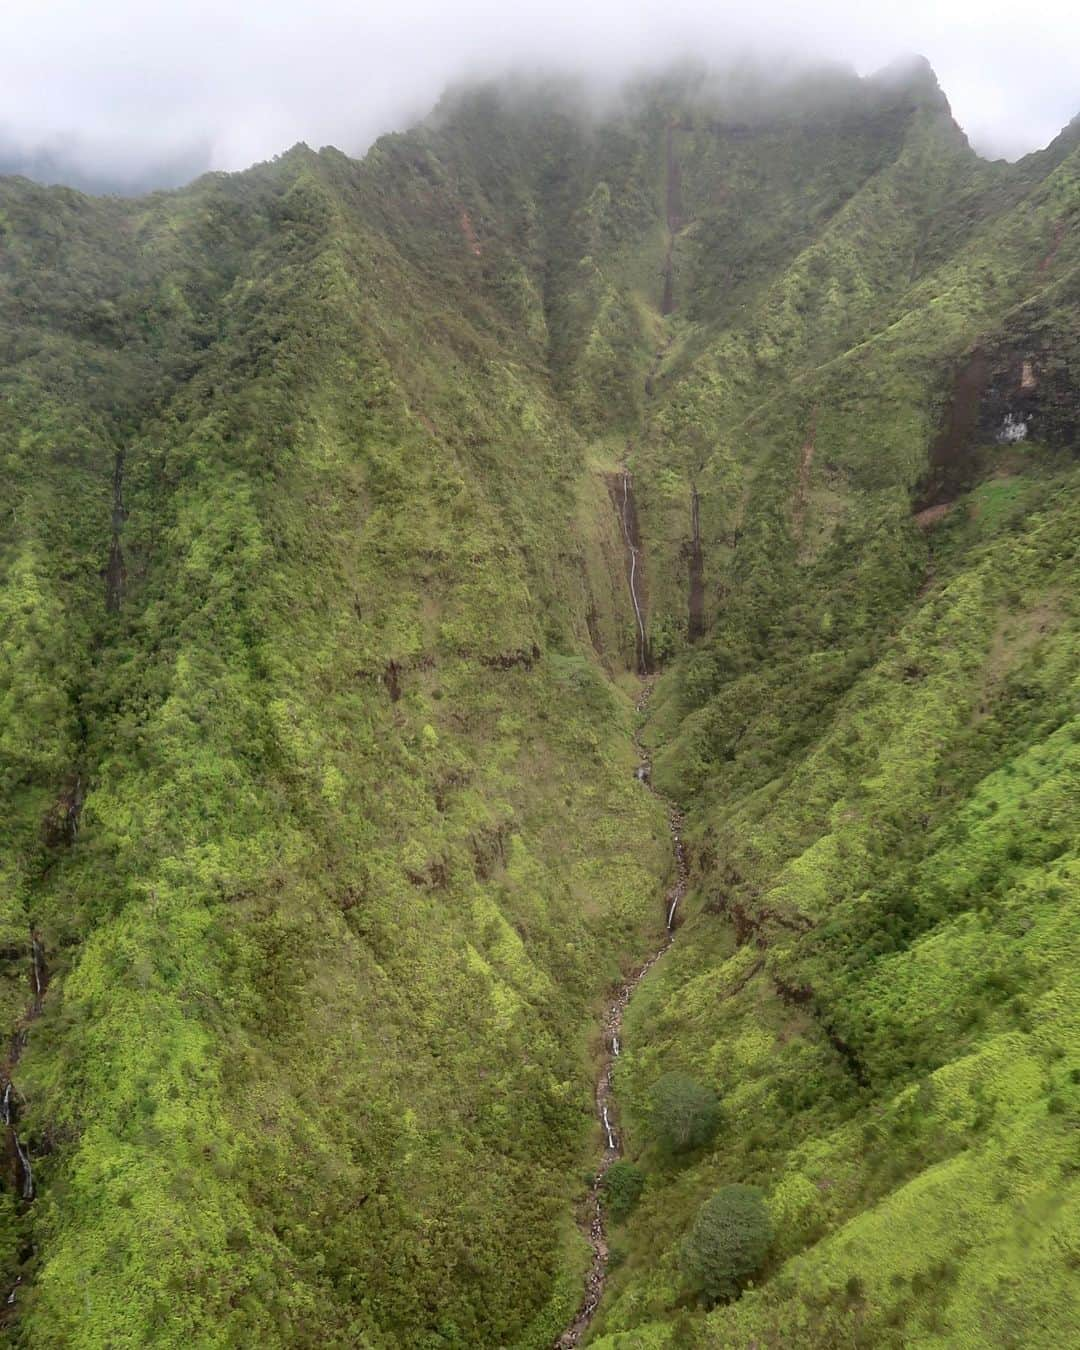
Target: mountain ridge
x=42 y=166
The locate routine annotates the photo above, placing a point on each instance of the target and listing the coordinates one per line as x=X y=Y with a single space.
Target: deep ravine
x=612 y=1028
x=19 y=1153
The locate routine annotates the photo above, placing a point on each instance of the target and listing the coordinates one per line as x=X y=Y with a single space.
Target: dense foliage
x=316 y=695
x=728 y=1241
x=684 y=1115
x=623 y=1184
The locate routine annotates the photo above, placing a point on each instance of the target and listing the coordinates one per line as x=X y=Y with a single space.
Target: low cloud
x=134 y=93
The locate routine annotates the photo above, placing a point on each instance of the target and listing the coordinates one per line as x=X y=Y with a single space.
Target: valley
x=539 y=681
x=612 y=1032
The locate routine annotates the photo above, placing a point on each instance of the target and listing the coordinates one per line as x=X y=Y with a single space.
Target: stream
x=595 y=1227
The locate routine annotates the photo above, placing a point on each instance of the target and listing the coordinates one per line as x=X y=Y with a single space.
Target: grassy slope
x=311 y=1067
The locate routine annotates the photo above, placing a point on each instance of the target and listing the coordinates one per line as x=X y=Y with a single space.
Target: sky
x=156 y=90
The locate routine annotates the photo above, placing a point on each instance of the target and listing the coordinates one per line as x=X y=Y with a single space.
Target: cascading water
x=37 y=970
x=675 y=826
x=613 y=1019
x=27 y=1189
x=633 y=552
x=622 y=499
x=24 y=1178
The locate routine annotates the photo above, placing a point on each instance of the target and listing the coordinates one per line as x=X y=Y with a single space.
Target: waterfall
x=38 y=967
x=8 y=1115
x=612 y=1142
x=628 y=535
x=27 y=1171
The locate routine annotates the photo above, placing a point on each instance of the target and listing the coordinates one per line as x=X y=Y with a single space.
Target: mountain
x=332 y=493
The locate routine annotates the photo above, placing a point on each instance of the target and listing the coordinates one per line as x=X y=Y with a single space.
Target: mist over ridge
x=539 y=682
x=121 y=100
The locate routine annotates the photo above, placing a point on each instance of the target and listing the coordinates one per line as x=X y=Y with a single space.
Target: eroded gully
x=596 y=1229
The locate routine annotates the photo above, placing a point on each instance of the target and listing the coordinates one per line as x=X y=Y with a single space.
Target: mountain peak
x=913 y=73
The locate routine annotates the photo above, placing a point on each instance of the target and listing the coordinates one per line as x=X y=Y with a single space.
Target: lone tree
x=728 y=1241
x=685 y=1115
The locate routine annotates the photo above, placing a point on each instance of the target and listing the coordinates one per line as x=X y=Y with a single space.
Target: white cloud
x=129 y=82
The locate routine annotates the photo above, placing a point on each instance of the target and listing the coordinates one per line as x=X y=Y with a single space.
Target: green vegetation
x=316 y=701
x=684 y=1115
x=728 y=1241
x=623 y=1184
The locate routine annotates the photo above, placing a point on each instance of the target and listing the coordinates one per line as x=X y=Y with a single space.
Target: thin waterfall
x=37 y=966
x=27 y=1170
x=628 y=535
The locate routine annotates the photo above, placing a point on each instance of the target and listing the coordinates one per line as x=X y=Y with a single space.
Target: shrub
x=685 y=1115
x=728 y=1241
x=623 y=1184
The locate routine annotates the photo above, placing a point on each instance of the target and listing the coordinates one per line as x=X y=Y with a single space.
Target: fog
x=123 y=94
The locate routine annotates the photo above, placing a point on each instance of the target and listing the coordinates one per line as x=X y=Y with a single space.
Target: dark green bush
x=685 y=1114
x=728 y=1241
x=623 y=1184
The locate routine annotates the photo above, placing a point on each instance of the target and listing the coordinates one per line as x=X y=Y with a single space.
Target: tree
x=728 y=1241
x=685 y=1115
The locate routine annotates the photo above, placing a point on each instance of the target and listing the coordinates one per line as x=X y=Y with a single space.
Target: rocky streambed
x=612 y=1032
